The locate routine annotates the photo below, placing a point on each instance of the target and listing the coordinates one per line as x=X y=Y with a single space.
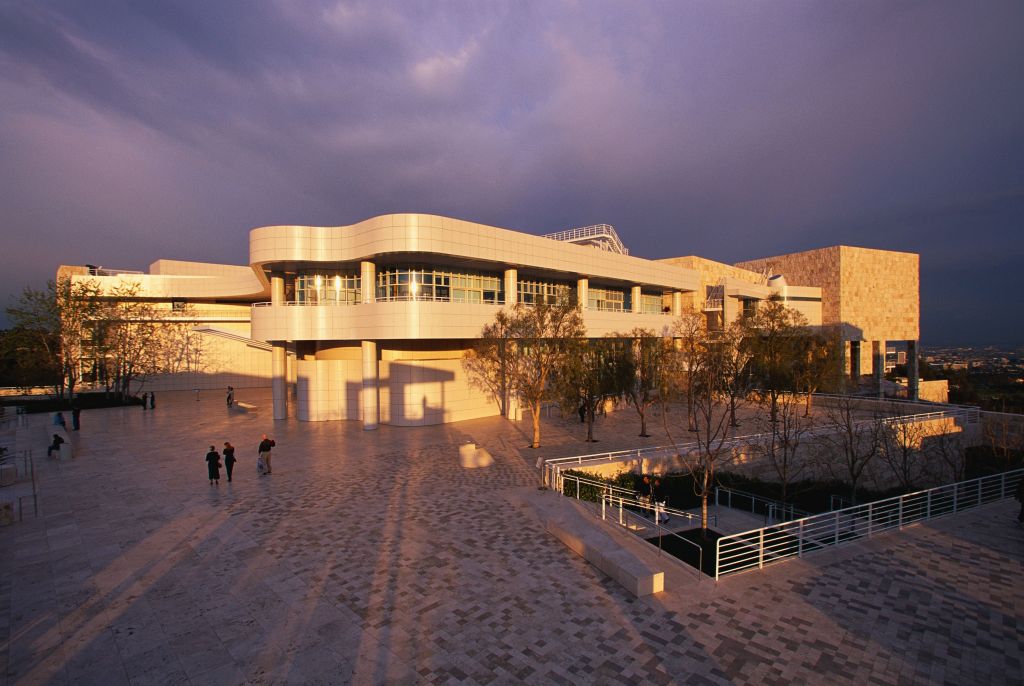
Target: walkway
x=375 y=558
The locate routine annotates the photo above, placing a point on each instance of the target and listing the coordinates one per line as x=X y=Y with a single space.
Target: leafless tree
x=646 y=357
x=901 y=439
x=522 y=351
x=782 y=440
x=853 y=442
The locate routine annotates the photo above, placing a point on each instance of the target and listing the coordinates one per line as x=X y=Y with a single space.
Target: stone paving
x=375 y=558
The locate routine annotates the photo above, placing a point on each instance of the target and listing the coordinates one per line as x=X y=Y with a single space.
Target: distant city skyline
x=131 y=132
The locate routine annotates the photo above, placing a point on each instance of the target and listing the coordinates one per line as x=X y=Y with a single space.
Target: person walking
x=76 y=418
x=265 y=446
x=213 y=466
x=152 y=400
x=145 y=400
x=229 y=458
x=60 y=421
x=231 y=396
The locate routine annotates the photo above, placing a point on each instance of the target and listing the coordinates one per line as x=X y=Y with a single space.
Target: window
x=429 y=283
x=326 y=287
x=606 y=300
x=533 y=292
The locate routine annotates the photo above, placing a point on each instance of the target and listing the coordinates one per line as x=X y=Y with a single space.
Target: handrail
x=661 y=531
x=626 y=497
x=770 y=504
x=756 y=548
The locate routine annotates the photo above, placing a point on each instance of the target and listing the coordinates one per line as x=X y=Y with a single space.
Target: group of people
x=150 y=399
x=213 y=460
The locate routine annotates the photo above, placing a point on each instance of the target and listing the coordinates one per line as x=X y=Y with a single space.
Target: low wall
x=932 y=442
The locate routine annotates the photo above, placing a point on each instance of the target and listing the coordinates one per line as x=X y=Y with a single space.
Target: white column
x=371 y=394
x=635 y=297
x=511 y=286
x=582 y=286
x=677 y=303
x=279 y=379
x=278 y=354
x=367 y=282
x=878 y=363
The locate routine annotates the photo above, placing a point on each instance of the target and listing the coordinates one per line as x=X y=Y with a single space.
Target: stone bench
x=244 y=406
x=600 y=550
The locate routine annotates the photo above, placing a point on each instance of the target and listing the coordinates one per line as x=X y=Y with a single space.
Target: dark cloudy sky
x=131 y=131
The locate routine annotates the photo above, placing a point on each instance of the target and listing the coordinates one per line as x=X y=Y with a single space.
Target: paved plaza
x=374 y=557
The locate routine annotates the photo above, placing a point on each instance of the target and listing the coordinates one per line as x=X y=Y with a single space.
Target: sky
x=134 y=131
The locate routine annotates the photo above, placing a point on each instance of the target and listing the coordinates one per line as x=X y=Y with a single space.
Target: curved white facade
x=382 y=351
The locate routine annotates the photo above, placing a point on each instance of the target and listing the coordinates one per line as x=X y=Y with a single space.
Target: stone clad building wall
x=874 y=294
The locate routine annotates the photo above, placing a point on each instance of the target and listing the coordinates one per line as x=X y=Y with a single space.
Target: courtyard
x=374 y=557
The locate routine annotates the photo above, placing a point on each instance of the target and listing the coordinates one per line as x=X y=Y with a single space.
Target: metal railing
x=24 y=472
x=971 y=412
x=757 y=548
x=773 y=510
x=554 y=466
x=639 y=525
x=605 y=233
x=624 y=496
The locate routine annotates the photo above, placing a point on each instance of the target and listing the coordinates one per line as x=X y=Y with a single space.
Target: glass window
x=606 y=300
x=532 y=292
x=437 y=283
x=326 y=287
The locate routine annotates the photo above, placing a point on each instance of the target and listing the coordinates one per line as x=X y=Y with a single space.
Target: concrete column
x=913 y=373
x=367 y=282
x=279 y=379
x=582 y=288
x=278 y=355
x=277 y=288
x=878 y=365
x=855 y=361
x=635 y=298
x=730 y=310
x=511 y=286
x=371 y=394
x=677 y=303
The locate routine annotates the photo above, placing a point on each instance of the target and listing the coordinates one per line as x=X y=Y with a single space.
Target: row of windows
x=606 y=300
x=327 y=287
x=401 y=283
x=425 y=283
x=532 y=292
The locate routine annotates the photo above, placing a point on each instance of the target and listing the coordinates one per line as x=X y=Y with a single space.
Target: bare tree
x=945 y=448
x=523 y=350
x=645 y=359
x=854 y=442
x=782 y=441
x=690 y=332
x=818 y=363
x=901 y=442
x=707 y=374
x=777 y=333
x=595 y=370
x=56 y=320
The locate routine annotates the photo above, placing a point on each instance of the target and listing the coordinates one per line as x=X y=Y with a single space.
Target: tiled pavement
x=374 y=558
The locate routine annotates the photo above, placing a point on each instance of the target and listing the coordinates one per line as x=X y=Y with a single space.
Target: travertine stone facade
x=874 y=294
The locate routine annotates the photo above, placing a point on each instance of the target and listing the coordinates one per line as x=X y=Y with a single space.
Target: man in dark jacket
x=265 y=445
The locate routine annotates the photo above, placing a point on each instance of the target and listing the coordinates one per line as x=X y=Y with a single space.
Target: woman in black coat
x=213 y=466
x=229 y=458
